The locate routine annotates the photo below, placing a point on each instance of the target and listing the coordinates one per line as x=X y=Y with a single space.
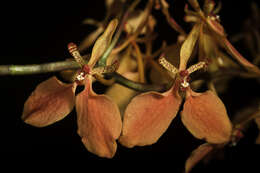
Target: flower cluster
x=139 y=119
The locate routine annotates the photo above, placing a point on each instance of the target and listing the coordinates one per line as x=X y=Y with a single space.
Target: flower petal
x=99 y=121
x=197 y=155
x=51 y=101
x=205 y=116
x=148 y=116
x=188 y=45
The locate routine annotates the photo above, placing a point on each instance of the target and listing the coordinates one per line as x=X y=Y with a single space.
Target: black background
x=33 y=33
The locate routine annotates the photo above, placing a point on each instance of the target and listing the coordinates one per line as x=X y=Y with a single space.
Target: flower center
x=85 y=68
x=184 y=74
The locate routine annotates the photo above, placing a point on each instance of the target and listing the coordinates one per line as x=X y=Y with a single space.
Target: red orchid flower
x=148 y=115
x=98 y=118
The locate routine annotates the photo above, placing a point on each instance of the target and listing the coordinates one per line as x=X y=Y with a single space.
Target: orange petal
x=148 y=116
x=188 y=45
x=99 y=121
x=205 y=116
x=51 y=101
x=197 y=155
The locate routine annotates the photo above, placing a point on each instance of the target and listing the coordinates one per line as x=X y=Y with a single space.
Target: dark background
x=33 y=33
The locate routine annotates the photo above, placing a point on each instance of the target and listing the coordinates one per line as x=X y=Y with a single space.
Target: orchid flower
x=148 y=115
x=98 y=118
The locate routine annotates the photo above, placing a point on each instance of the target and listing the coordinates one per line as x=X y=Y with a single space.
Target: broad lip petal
x=205 y=116
x=99 y=121
x=50 y=102
x=148 y=116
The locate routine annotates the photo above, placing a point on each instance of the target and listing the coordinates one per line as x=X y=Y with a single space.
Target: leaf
x=102 y=43
x=197 y=155
x=148 y=116
x=205 y=116
x=188 y=46
x=99 y=121
x=50 y=102
x=234 y=53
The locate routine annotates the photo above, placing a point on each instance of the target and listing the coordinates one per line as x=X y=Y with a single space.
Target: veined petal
x=197 y=155
x=51 y=101
x=205 y=116
x=188 y=45
x=99 y=121
x=148 y=116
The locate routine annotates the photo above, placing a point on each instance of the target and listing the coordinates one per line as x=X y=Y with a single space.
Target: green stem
x=16 y=70
x=37 y=68
x=138 y=86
